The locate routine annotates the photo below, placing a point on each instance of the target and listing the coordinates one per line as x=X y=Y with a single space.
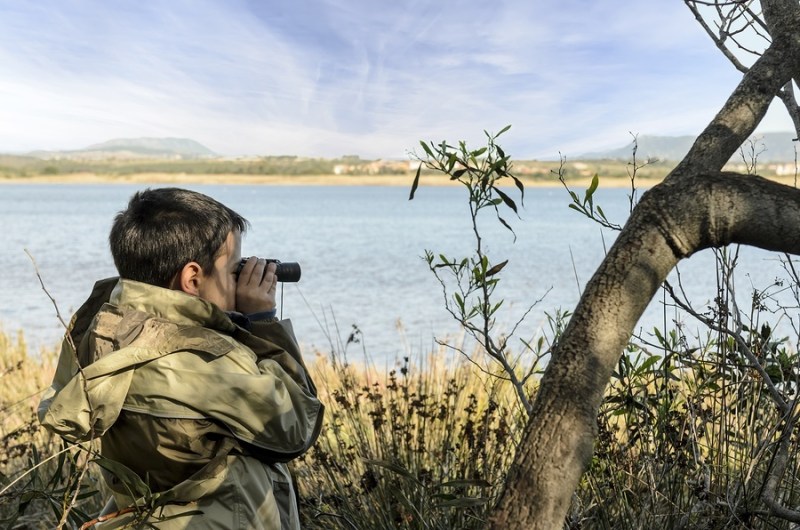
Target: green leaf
x=394 y=468
x=57 y=475
x=427 y=149
x=648 y=363
x=87 y=492
x=459 y=301
x=477 y=152
x=659 y=336
x=415 y=184
x=444 y=496
x=775 y=373
x=593 y=186
x=464 y=502
x=503 y=221
x=506 y=199
x=464 y=483
x=518 y=184
x=129 y=479
x=26 y=498
x=451 y=162
x=504 y=129
x=574 y=196
x=496 y=268
x=494 y=308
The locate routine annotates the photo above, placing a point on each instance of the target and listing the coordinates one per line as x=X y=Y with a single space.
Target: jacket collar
x=175 y=306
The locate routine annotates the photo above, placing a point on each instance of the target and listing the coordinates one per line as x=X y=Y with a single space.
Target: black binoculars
x=286 y=271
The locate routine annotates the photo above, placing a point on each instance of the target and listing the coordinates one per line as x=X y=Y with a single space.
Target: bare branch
x=718 y=38
x=68 y=338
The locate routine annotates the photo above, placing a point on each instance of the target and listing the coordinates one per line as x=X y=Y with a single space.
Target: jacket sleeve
x=278 y=355
x=280 y=333
x=262 y=393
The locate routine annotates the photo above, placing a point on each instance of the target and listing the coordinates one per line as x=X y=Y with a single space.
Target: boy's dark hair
x=163 y=229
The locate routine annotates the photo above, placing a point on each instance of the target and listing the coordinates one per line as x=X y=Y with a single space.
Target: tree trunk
x=696 y=207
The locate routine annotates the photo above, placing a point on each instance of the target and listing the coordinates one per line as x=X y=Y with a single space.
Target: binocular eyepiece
x=286 y=271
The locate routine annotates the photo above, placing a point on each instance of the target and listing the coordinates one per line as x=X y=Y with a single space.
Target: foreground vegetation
x=688 y=436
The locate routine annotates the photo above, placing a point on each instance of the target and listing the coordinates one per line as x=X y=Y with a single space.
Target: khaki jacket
x=203 y=412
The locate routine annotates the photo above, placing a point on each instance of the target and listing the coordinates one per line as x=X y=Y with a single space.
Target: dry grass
x=418 y=447
x=23 y=379
x=38 y=474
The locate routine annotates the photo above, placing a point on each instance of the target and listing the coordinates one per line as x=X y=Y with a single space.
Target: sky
x=371 y=78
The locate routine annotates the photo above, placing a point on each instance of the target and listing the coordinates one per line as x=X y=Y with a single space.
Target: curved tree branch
x=671 y=222
x=696 y=207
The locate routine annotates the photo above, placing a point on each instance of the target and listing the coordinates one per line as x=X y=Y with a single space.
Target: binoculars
x=285 y=271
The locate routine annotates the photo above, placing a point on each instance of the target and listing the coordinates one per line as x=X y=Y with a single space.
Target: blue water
x=360 y=249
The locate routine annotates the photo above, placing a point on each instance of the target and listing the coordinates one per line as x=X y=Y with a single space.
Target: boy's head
x=162 y=230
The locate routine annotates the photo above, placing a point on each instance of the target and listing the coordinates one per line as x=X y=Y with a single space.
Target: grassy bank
x=613 y=174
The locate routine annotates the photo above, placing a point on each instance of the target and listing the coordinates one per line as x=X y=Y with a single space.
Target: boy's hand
x=255 y=290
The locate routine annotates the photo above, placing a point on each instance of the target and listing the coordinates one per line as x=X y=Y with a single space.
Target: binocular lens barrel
x=286 y=271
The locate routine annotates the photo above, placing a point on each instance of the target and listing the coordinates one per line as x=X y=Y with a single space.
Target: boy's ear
x=189 y=278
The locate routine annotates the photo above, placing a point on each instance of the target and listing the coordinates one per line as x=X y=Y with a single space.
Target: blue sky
x=364 y=77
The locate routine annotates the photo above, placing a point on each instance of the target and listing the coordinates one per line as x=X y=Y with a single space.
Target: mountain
x=770 y=147
x=173 y=148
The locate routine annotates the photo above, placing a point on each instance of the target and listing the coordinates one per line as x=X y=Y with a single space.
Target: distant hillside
x=168 y=148
x=770 y=147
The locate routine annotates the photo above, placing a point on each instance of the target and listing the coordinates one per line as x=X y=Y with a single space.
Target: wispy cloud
x=332 y=77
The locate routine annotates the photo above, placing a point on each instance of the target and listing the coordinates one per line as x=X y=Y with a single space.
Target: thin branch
x=718 y=41
x=107 y=517
x=470 y=359
x=53 y=300
x=525 y=314
x=68 y=337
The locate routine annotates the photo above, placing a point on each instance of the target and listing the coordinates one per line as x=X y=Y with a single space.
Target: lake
x=360 y=249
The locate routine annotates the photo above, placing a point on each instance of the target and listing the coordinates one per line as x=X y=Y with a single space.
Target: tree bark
x=696 y=207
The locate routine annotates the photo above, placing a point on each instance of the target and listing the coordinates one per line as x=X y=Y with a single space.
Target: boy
x=180 y=369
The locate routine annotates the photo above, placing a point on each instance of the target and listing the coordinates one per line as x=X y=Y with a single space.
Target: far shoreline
x=322 y=180
x=299 y=180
